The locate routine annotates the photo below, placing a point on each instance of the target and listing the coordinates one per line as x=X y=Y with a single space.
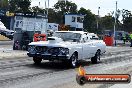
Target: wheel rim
x=74 y=60
x=98 y=55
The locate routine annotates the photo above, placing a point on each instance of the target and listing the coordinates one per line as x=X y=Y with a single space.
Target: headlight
x=31 y=49
x=63 y=51
x=59 y=51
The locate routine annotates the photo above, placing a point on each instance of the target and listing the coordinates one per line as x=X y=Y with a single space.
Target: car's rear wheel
x=96 y=58
x=73 y=60
x=37 y=60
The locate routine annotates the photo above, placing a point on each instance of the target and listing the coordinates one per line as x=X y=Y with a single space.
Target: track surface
x=22 y=73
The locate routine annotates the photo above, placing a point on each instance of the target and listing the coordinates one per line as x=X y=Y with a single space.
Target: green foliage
x=62 y=8
x=125 y=14
x=107 y=22
x=13 y=5
x=3 y=3
x=24 y=5
x=19 y=5
x=52 y=16
x=127 y=20
x=56 y=14
x=127 y=24
x=38 y=10
x=65 y=7
x=89 y=20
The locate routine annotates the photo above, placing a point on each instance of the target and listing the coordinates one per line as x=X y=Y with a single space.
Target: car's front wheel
x=96 y=58
x=73 y=60
x=37 y=60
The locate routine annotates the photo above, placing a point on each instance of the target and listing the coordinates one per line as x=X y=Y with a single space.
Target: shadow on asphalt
x=52 y=65
x=58 y=65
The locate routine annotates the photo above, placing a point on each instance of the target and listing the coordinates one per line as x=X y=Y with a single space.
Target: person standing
x=131 y=39
x=124 y=39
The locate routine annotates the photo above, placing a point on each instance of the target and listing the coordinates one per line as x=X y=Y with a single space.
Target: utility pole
x=98 y=19
x=48 y=8
x=47 y=12
x=115 y=25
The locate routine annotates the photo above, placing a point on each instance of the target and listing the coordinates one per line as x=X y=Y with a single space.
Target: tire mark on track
x=115 y=59
x=24 y=62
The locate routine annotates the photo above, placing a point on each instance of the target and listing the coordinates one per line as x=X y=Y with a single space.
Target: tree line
x=56 y=14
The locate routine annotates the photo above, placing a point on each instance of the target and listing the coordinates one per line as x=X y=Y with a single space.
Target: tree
x=127 y=20
x=107 y=22
x=125 y=14
x=19 y=5
x=52 y=16
x=89 y=19
x=65 y=7
x=127 y=24
x=62 y=7
x=38 y=10
x=13 y=5
x=3 y=3
x=24 y=5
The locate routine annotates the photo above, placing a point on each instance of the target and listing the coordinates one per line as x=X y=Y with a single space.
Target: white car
x=69 y=46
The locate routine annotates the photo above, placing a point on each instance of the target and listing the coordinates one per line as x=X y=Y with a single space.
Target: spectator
x=131 y=39
x=124 y=39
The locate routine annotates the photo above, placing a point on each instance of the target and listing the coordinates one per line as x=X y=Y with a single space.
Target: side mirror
x=84 y=40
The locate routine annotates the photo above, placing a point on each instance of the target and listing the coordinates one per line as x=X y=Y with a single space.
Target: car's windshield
x=68 y=36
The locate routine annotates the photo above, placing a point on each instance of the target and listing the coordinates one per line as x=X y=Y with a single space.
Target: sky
x=106 y=6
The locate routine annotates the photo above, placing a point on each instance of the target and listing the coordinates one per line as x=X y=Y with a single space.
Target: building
x=52 y=27
x=75 y=21
x=25 y=26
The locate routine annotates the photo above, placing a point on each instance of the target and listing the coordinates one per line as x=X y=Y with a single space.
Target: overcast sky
x=105 y=5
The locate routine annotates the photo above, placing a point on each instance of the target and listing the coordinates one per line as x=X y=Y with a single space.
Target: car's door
x=89 y=48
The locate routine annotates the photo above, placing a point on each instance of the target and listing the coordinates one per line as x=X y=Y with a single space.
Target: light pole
x=98 y=19
x=47 y=12
x=115 y=25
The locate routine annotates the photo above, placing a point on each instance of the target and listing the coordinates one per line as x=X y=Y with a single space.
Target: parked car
x=67 y=46
x=9 y=33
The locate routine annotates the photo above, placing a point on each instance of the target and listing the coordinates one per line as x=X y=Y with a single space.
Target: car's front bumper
x=49 y=56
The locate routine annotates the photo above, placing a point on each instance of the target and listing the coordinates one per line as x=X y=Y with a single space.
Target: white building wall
x=52 y=26
x=31 y=24
x=69 y=18
x=79 y=25
x=68 y=21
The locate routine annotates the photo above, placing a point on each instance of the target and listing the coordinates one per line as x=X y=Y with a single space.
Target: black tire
x=14 y=47
x=37 y=60
x=96 y=58
x=73 y=60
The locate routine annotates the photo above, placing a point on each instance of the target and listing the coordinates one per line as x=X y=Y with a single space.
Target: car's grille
x=48 y=50
x=54 y=50
x=41 y=49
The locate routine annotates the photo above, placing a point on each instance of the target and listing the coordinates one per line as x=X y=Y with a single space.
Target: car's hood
x=52 y=42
